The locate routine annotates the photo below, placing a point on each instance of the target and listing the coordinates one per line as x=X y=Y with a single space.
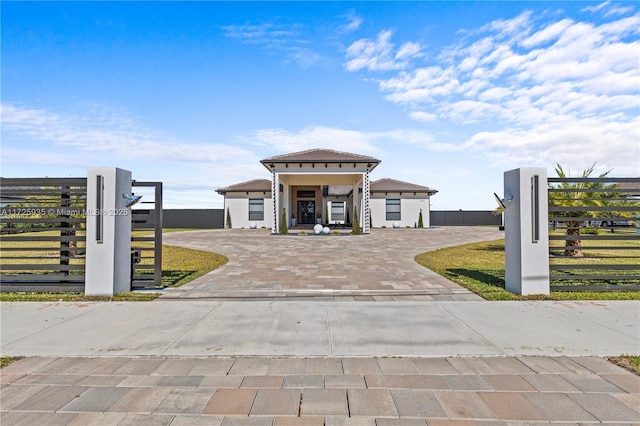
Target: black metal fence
x=43 y=234
x=594 y=238
x=146 y=236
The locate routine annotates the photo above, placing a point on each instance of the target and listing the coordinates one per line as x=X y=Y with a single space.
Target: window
x=393 y=209
x=256 y=209
x=306 y=194
x=337 y=211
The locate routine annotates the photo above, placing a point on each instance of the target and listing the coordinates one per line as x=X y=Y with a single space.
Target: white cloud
x=597 y=7
x=344 y=140
x=284 y=38
x=422 y=116
x=353 y=21
x=312 y=137
x=113 y=134
x=562 y=90
x=609 y=9
x=377 y=55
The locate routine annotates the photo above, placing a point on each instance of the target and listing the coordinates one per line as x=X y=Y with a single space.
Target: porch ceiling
x=321 y=179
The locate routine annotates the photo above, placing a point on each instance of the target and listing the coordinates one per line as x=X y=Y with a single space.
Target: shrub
x=302 y=233
x=420 y=222
x=284 y=229
x=228 y=224
x=384 y=227
x=335 y=232
x=355 y=226
x=591 y=231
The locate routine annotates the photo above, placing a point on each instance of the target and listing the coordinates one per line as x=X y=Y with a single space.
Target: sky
x=448 y=95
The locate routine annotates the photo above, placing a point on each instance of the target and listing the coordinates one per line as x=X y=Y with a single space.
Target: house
x=323 y=186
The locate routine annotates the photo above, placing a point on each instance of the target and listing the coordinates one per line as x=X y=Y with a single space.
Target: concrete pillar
x=275 y=196
x=108 y=262
x=526 y=231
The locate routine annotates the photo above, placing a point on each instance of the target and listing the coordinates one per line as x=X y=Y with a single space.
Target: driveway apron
x=378 y=266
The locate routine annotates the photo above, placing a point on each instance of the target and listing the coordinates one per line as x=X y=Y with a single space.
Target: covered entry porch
x=327 y=199
x=320 y=187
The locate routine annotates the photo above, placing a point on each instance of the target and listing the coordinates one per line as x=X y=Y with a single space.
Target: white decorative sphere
x=326 y=230
x=317 y=229
x=396 y=224
x=253 y=225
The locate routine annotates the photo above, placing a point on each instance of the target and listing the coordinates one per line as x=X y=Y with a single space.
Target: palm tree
x=579 y=194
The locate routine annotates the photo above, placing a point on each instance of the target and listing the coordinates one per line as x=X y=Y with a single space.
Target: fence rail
x=146 y=226
x=43 y=234
x=43 y=227
x=594 y=238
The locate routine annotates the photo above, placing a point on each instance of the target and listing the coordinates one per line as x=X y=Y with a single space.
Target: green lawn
x=629 y=362
x=179 y=266
x=479 y=267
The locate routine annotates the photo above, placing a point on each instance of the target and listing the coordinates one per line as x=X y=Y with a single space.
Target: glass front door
x=306 y=212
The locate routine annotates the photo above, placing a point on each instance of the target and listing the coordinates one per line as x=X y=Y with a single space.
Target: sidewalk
x=327 y=329
x=317 y=391
x=318 y=363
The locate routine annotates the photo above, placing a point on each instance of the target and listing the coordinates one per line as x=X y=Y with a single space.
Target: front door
x=306 y=212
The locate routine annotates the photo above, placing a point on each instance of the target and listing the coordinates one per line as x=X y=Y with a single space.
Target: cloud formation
x=287 y=39
x=109 y=132
x=380 y=54
x=371 y=143
x=560 y=89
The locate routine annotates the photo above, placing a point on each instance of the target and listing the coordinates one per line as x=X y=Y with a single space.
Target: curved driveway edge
x=378 y=266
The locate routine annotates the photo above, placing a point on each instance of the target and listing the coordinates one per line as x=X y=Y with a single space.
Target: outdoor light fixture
x=504 y=202
x=132 y=199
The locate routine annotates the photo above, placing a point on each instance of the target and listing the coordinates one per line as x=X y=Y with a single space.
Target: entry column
x=526 y=231
x=108 y=239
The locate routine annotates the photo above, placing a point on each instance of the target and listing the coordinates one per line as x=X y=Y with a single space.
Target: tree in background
x=580 y=194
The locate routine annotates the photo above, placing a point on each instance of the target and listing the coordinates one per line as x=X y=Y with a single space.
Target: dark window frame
x=393 y=213
x=256 y=214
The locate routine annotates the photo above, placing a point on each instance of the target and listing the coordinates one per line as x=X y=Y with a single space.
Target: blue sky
x=447 y=94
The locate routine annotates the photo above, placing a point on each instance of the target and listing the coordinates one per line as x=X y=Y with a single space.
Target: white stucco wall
x=238 y=204
x=410 y=206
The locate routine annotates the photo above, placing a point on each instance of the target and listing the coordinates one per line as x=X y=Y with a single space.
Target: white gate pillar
x=108 y=261
x=526 y=231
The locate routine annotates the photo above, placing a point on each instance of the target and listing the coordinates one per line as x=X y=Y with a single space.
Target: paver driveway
x=378 y=266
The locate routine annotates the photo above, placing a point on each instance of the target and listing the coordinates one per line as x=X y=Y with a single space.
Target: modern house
x=323 y=186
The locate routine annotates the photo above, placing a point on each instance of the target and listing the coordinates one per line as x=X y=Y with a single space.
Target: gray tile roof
x=256 y=185
x=630 y=188
x=393 y=185
x=320 y=156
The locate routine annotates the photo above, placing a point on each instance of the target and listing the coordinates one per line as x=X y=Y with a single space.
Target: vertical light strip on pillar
x=99 y=207
x=535 y=206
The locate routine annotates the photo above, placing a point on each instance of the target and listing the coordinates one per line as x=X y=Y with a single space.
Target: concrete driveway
x=375 y=267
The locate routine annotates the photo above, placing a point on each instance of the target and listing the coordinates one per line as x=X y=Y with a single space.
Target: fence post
x=526 y=231
x=108 y=263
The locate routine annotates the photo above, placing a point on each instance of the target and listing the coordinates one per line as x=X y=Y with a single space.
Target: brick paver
x=244 y=391
x=315 y=266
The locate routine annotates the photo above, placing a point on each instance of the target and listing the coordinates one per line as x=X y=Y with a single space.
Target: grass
x=7 y=360
x=607 y=257
x=479 y=267
x=179 y=266
x=628 y=362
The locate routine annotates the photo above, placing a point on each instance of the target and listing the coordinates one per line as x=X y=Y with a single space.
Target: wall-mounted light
x=281 y=188
x=132 y=199
x=504 y=202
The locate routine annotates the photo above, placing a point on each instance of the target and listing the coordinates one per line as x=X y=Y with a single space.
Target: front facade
x=326 y=187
